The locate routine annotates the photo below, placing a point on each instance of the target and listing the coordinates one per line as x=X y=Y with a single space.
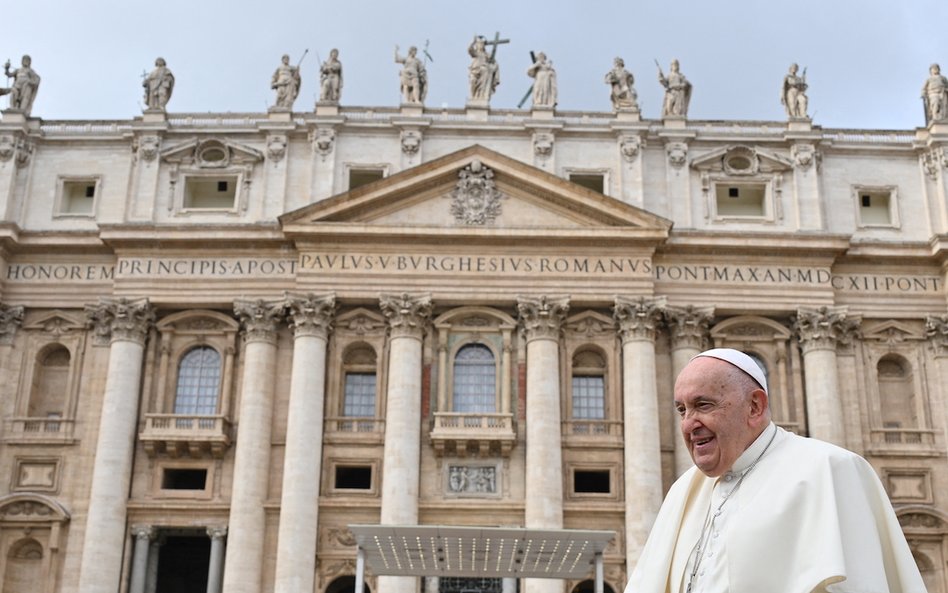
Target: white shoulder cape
x=813 y=517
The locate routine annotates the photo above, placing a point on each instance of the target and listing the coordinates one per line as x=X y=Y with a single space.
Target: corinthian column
x=310 y=317
x=819 y=331
x=127 y=323
x=407 y=317
x=244 y=559
x=936 y=329
x=688 y=328
x=638 y=321
x=541 y=321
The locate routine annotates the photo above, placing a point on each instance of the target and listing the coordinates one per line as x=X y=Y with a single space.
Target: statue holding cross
x=483 y=73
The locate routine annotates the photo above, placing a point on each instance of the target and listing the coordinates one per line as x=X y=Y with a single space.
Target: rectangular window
x=360 y=177
x=589 y=397
x=740 y=199
x=876 y=206
x=210 y=193
x=77 y=196
x=184 y=479
x=359 y=397
x=593 y=181
x=353 y=477
x=591 y=481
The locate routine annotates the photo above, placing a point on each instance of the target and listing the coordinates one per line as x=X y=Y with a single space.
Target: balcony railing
x=354 y=425
x=903 y=438
x=462 y=434
x=39 y=430
x=179 y=435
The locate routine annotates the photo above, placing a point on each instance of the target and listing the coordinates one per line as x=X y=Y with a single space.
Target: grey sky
x=866 y=60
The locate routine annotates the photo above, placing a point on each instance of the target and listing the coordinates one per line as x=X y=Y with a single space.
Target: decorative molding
x=276 y=147
x=11 y=318
x=804 y=155
x=630 y=147
x=543 y=144
x=217 y=531
x=310 y=314
x=933 y=161
x=936 y=331
x=16 y=147
x=638 y=319
x=144 y=532
x=472 y=479
x=260 y=319
x=211 y=153
x=146 y=148
x=341 y=537
x=475 y=200
x=677 y=153
x=407 y=314
x=825 y=327
x=32 y=508
x=689 y=326
x=324 y=141
x=542 y=317
x=411 y=142
x=121 y=319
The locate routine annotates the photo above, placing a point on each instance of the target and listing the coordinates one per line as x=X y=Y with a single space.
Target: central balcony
x=464 y=434
x=179 y=435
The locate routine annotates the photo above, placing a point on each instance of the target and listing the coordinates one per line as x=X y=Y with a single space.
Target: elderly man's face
x=720 y=418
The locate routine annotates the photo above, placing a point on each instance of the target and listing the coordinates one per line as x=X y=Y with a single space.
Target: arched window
x=50 y=383
x=360 y=382
x=589 y=386
x=199 y=381
x=475 y=380
x=24 y=563
x=896 y=394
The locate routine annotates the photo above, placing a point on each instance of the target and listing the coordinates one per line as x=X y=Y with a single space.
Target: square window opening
x=875 y=207
x=595 y=182
x=360 y=177
x=353 y=477
x=184 y=479
x=591 y=482
x=210 y=193
x=741 y=199
x=78 y=197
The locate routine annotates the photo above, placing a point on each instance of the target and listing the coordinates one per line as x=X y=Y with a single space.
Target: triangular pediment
x=55 y=322
x=476 y=190
x=211 y=153
x=741 y=160
x=892 y=331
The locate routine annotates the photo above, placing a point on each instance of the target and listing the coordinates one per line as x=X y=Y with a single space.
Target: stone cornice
x=638 y=319
x=407 y=314
x=541 y=318
x=121 y=319
x=824 y=327
x=688 y=326
x=260 y=318
x=310 y=314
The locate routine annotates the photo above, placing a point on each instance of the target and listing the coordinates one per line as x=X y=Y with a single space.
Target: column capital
x=407 y=314
x=688 y=326
x=638 y=319
x=542 y=317
x=10 y=319
x=823 y=328
x=260 y=318
x=143 y=532
x=217 y=531
x=121 y=319
x=936 y=330
x=311 y=314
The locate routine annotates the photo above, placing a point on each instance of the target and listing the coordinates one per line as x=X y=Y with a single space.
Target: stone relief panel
x=472 y=480
x=476 y=201
x=908 y=485
x=37 y=474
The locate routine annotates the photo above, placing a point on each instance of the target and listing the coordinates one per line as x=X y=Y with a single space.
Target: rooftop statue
x=286 y=82
x=623 y=94
x=677 y=91
x=544 y=86
x=935 y=95
x=330 y=78
x=793 y=94
x=413 y=77
x=25 y=85
x=159 y=84
x=483 y=73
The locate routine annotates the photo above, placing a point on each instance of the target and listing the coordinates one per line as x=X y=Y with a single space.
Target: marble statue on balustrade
x=793 y=94
x=677 y=92
x=330 y=78
x=413 y=77
x=544 y=86
x=286 y=82
x=158 y=84
x=935 y=95
x=25 y=85
x=623 y=95
x=483 y=72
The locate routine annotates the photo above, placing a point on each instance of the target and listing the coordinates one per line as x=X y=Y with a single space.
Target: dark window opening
x=221 y=186
x=591 y=481
x=184 y=479
x=733 y=192
x=360 y=177
x=866 y=201
x=353 y=477
x=347 y=584
x=183 y=563
x=589 y=181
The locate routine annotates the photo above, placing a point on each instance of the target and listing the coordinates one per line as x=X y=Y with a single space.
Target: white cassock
x=809 y=517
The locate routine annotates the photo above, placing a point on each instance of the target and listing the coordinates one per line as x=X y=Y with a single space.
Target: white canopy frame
x=493 y=552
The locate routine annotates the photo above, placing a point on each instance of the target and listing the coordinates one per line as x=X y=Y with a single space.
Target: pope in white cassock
x=765 y=510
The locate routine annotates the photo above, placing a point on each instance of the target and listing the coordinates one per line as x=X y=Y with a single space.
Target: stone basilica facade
x=225 y=338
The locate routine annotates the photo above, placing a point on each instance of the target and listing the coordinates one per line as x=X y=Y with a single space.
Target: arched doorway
x=346 y=584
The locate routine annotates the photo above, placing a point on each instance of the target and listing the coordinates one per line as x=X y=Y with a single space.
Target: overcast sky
x=866 y=60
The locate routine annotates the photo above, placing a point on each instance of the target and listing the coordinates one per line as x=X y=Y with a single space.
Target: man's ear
x=758 y=402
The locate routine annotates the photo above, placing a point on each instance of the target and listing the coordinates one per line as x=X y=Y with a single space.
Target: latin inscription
x=475 y=264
